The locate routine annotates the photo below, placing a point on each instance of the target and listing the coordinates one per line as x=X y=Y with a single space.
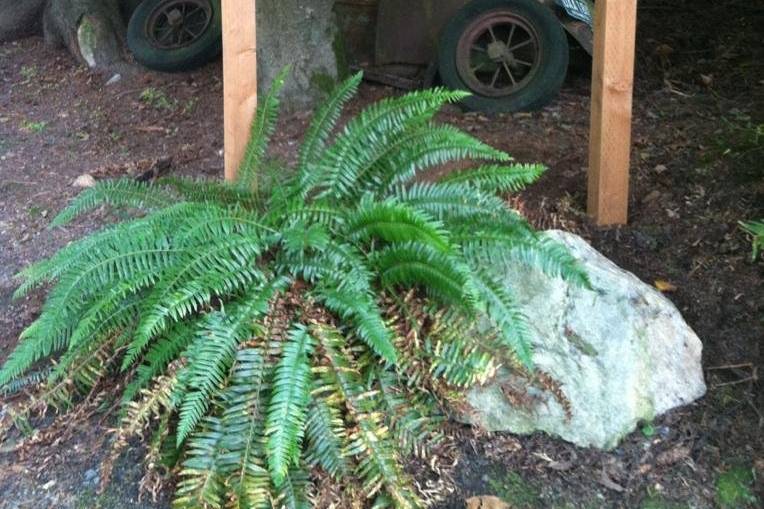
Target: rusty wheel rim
x=498 y=54
x=178 y=23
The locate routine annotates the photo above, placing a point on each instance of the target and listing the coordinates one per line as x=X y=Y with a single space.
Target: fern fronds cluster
x=756 y=230
x=312 y=325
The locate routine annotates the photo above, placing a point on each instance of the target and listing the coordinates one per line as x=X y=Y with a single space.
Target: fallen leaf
x=664 y=286
x=652 y=196
x=673 y=455
x=610 y=484
x=487 y=502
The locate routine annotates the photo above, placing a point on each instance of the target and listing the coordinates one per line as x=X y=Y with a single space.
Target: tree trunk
x=92 y=30
x=302 y=34
x=20 y=18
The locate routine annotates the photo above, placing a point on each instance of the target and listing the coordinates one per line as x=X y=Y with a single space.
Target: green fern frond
x=213 y=270
x=381 y=120
x=285 y=424
x=499 y=179
x=218 y=337
x=448 y=202
x=400 y=158
x=293 y=492
x=23 y=382
x=117 y=193
x=413 y=263
x=166 y=350
x=325 y=433
x=323 y=123
x=396 y=222
x=426 y=147
x=243 y=432
x=263 y=126
x=502 y=308
x=202 y=482
x=366 y=317
x=756 y=230
x=222 y=194
x=533 y=250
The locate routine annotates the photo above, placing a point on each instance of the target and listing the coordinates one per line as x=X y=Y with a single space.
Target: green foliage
x=734 y=488
x=513 y=489
x=756 y=230
x=310 y=329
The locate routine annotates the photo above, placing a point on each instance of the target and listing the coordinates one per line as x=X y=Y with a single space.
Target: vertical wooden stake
x=615 y=25
x=239 y=78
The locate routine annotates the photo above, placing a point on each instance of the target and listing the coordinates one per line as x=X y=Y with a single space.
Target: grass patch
x=654 y=501
x=734 y=488
x=158 y=99
x=513 y=489
x=34 y=127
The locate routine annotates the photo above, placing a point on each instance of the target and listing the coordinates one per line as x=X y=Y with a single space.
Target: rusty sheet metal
x=581 y=32
x=357 y=21
x=408 y=30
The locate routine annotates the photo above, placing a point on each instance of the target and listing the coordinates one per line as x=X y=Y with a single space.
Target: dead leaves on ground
x=487 y=502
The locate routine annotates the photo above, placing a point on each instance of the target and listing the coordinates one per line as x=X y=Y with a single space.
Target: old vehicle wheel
x=175 y=35
x=511 y=54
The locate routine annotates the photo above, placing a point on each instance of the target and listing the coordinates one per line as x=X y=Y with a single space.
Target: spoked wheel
x=178 y=23
x=511 y=54
x=175 y=35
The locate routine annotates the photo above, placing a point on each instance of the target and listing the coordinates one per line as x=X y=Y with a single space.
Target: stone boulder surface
x=621 y=352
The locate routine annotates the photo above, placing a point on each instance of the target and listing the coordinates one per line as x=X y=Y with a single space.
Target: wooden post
x=239 y=78
x=615 y=25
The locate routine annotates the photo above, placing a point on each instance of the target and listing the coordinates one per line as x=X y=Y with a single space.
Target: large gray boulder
x=621 y=353
x=304 y=35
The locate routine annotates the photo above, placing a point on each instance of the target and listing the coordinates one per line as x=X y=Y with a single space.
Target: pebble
x=645 y=240
x=114 y=79
x=84 y=180
x=652 y=196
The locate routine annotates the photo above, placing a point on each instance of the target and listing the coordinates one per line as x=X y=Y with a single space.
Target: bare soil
x=696 y=172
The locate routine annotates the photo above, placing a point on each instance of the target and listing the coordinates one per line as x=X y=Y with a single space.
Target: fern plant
x=305 y=330
x=756 y=230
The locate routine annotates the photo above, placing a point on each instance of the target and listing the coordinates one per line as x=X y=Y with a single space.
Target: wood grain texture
x=239 y=78
x=612 y=95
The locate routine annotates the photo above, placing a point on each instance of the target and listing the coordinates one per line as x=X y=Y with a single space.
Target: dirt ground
x=697 y=171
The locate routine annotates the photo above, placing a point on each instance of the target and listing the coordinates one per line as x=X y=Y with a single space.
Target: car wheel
x=511 y=54
x=175 y=35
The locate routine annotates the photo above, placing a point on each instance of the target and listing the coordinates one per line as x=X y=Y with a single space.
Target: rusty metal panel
x=357 y=21
x=581 y=32
x=408 y=30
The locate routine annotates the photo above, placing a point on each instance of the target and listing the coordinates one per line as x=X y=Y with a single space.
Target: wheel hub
x=175 y=18
x=498 y=54
x=178 y=23
x=497 y=51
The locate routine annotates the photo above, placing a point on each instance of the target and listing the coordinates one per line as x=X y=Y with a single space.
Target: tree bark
x=304 y=35
x=20 y=18
x=92 y=30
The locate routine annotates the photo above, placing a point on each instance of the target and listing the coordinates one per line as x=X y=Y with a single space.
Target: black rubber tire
x=201 y=51
x=553 y=60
